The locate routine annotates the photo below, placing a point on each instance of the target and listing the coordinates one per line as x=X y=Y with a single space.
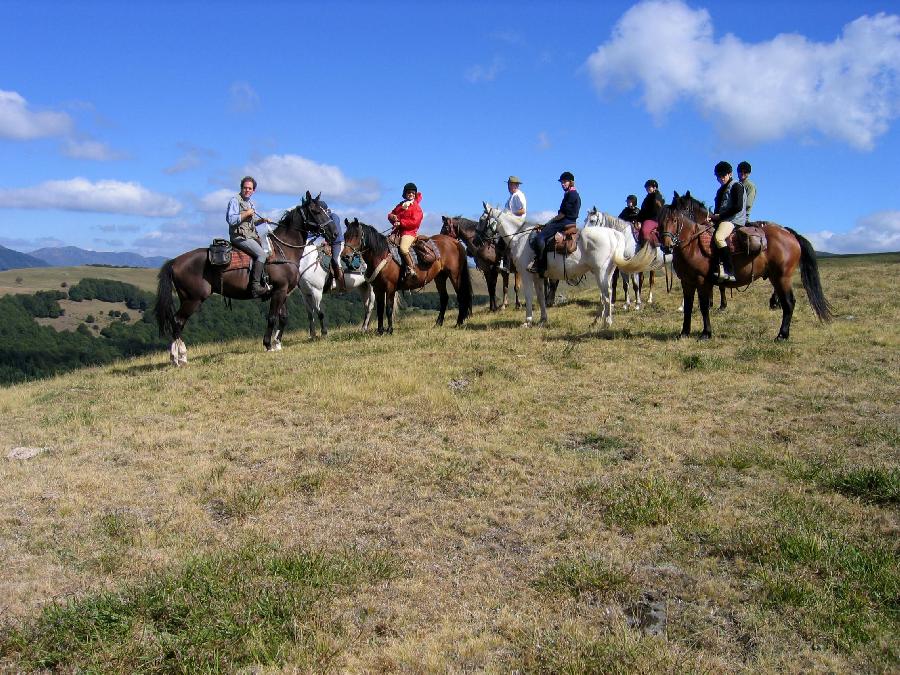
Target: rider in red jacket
x=406 y=218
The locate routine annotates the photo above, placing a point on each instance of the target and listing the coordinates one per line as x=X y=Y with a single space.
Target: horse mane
x=375 y=241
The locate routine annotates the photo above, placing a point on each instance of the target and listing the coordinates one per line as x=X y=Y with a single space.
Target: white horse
x=660 y=262
x=312 y=288
x=594 y=253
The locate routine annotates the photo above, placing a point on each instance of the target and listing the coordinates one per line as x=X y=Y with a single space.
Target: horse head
x=593 y=217
x=448 y=227
x=363 y=239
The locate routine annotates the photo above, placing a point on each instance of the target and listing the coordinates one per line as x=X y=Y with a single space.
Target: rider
x=648 y=216
x=242 y=220
x=406 y=218
x=567 y=215
x=630 y=213
x=744 y=170
x=334 y=236
x=515 y=209
x=730 y=212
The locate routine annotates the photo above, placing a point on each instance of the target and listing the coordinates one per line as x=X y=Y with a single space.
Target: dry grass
x=524 y=509
x=50 y=278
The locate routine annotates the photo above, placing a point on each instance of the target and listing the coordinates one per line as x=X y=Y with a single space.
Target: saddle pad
x=747 y=240
x=239 y=261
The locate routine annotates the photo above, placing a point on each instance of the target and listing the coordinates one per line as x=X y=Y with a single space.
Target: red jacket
x=409 y=218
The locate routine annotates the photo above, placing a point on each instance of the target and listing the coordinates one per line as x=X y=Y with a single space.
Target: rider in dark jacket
x=648 y=216
x=730 y=212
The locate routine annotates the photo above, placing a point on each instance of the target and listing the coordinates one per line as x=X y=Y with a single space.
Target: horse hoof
x=527 y=324
x=704 y=337
x=780 y=338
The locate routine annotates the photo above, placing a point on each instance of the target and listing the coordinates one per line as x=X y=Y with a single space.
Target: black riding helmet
x=410 y=187
x=566 y=175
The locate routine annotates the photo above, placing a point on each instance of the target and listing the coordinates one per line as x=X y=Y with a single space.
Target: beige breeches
x=722 y=231
x=406 y=241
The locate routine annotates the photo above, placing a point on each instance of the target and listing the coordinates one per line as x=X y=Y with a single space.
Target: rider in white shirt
x=516 y=206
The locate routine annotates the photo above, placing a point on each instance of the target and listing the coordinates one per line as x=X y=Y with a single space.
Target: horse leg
x=279 y=332
x=785 y=294
x=390 y=310
x=774 y=302
x=490 y=276
x=517 y=285
x=542 y=299
x=650 y=278
x=275 y=305
x=440 y=282
x=687 y=307
x=505 y=290
x=704 y=295
x=615 y=286
x=379 y=304
x=178 y=350
x=723 y=303
x=368 y=298
x=529 y=288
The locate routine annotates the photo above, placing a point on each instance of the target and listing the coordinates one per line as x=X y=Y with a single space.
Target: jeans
x=251 y=247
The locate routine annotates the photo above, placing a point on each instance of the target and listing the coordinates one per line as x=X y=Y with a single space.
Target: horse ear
x=687 y=195
x=675 y=197
x=346 y=221
x=356 y=220
x=308 y=196
x=318 y=195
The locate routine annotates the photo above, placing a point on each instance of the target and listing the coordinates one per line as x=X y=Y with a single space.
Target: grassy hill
x=491 y=498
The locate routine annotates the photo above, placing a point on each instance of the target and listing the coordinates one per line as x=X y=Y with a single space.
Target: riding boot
x=338 y=273
x=726 y=271
x=409 y=269
x=537 y=265
x=257 y=288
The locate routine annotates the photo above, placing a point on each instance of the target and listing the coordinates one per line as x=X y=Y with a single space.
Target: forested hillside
x=29 y=350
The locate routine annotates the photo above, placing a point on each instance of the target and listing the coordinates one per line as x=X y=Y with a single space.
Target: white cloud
x=543 y=141
x=244 y=98
x=876 y=233
x=479 y=73
x=215 y=202
x=848 y=89
x=104 y=196
x=88 y=149
x=294 y=175
x=540 y=216
x=175 y=237
x=19 y=123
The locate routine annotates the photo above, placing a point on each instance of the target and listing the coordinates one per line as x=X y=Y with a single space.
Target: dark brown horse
x=384 y=272
x=681 y=226
x=194 y=279
x=483 y=250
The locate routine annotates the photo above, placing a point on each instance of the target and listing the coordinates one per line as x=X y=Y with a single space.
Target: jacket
x=410 y=216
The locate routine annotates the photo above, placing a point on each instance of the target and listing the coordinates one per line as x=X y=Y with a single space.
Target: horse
x=594 y=253
x=194 y=279
x=632 y=269
x=484 y=251
x=384 y=275
x=312 y=286
x=684 y=222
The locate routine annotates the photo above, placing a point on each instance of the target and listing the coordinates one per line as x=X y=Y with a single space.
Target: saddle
x=748 y=240
x=219 y=253
x=564 y=243
x=424 y=252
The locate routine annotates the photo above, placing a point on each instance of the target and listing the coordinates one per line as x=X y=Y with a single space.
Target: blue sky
x=127 y=126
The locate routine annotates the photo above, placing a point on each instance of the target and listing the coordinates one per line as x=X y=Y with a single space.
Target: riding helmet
x=410 y=187
x=722 y=169
x=566 y=175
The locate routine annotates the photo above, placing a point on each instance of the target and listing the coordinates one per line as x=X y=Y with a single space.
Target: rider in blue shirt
x=567 y=215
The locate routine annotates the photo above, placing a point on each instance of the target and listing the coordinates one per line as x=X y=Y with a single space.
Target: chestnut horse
x=384 y=272
x=683 y=222
x=194 y=279
x=484 y=252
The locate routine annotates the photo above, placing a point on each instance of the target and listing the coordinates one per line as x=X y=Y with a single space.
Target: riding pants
x=406 y=242
x=337 y=248
x=251 y=247
x=722 y=231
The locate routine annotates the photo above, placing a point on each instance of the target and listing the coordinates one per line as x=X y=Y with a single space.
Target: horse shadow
x=614 y=334
x=493 y=325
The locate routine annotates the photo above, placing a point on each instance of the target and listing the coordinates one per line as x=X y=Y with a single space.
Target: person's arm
x=520 y=210
x=232 y=213
x=735 y=203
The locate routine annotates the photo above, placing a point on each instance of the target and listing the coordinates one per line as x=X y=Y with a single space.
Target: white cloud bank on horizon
x=294 y=175
x=103 y=196
x=878 y=232
x=848 y=89
x=19 y=123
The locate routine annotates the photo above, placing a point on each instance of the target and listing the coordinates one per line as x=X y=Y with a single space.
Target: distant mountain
x=13 y=260
x=72 y=256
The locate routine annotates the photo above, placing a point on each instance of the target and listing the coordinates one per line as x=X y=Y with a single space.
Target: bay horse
x=681 y=226
x=484 y=252
x=194 y=279
x=384 y=272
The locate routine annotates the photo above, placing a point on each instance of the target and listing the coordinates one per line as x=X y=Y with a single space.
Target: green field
x=488 y=498
x=51 y=278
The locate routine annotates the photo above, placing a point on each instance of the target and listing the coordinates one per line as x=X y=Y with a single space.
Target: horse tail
x=165 y=306
x=464 y=294
x=639 y=262
x=809 y=275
